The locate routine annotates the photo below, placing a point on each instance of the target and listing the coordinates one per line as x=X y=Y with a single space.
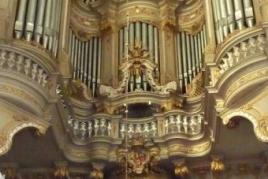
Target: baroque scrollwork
x=246 y=50
x=136 y=64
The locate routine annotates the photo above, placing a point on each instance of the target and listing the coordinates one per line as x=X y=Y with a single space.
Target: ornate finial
x=217 y=164
x=181 y=169
x=97 y=171
x=61 y=170
x=96 y=174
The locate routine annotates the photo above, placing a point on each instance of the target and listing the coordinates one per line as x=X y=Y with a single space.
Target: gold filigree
x=196 y=87
x=217 y=165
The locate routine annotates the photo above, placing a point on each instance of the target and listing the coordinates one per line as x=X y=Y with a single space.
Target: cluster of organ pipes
x=39 y=21
x=190 y=49
x=86 y=60
x=230 y=15
x=147 y=36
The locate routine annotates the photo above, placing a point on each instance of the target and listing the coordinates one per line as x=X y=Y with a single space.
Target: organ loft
x=142 y=89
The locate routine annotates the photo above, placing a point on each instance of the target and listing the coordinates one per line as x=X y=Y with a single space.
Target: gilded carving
x=196 y=87
x=192 y=20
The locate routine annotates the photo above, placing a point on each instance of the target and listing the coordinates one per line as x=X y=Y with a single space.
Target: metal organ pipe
x=39 y=20
x=230 y=15
x=190 y=49
x=47 y=24
x=239 y=17
x=249 y=14
x=30 y=19
x=86 y=59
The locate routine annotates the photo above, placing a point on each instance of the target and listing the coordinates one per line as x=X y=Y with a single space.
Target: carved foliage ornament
x=140 y=160
x=138 y=62
x=246 y=50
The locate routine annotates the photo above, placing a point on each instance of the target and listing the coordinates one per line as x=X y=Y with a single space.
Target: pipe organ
x=190 y=49
x=39 y=21
x=85 y=60
x=230 y=15
x=147 y=37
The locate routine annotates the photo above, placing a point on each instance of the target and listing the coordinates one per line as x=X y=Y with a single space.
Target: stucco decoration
x=260 y=123
x=14 y=120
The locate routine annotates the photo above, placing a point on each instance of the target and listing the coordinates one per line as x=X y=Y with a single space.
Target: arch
x=6 y=139
x=260 y=125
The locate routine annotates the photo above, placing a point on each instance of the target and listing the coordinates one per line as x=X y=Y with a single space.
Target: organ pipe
x=230 y=15
x=99 y=62
x=94 y=65
x=20 y=18
x=30 y=19
x=223 y=17
x=144 y=36
x=121 y=45
x=138 y=32
x=249 y=14
x=190 y=49
x=184 y=58
x=179 y=61
x=47 y=30
x=192 y=55
x=151 y=34
x=86 y=60
x=239 y=14
x=156 y=45
x=86 y=63
x=39 y=21
x=82 y=61
x=189 y=69
x=90 y=62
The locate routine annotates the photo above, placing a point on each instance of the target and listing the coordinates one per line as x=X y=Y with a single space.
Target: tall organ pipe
x=30 y=19
x=190 y=49
x=19 y=24
x=39 y=21
x=86 y=60
x=230 y=15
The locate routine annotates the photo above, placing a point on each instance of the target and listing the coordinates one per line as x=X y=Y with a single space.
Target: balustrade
x=183 y=124
x=242 y=51
x=14 y=62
